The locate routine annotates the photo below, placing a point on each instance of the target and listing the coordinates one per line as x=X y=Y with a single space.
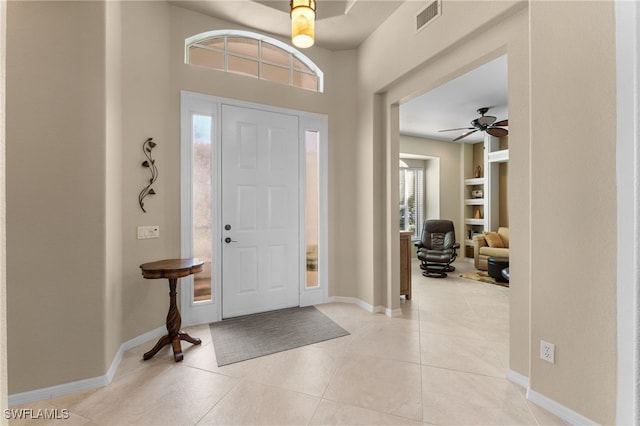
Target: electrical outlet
x=547 y=351
x=145 y=232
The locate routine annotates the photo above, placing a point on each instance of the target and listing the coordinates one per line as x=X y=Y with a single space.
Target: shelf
x=474 y=181
x=474 y=202
x=476 y=160
x=498 y=156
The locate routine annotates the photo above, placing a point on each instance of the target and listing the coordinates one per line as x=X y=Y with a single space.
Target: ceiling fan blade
x=501 y=123
x=461 y=128
x=464 y=135
x=497 y=131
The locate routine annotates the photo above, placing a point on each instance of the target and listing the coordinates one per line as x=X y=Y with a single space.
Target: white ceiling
x=345 y=24
x=455 y=104
x=340 y=24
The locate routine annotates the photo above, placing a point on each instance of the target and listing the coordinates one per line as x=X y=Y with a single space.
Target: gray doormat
x=251 y=336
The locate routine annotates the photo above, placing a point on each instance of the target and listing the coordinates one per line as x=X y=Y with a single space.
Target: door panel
x=247 y=209
x=247 y=279
x=260 y=251
x=279 y=214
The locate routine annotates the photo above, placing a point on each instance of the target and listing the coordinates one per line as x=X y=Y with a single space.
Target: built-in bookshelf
x=474 y=206
x=481 y=188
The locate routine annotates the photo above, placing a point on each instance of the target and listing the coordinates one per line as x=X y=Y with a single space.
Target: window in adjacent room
x=411 y=198
x=253 y=55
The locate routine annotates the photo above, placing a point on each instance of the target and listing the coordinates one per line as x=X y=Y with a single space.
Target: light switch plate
x=146 y=232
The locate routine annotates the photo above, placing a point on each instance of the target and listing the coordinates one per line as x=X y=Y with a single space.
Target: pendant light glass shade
x=303 y=17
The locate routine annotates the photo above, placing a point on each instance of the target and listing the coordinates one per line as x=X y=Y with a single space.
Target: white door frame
x=628 y=217
x=210 y=311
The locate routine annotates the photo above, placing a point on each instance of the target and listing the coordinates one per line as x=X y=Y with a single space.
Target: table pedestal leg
x=174 y=321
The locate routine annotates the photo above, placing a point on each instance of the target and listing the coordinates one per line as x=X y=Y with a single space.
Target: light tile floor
x=444 y=361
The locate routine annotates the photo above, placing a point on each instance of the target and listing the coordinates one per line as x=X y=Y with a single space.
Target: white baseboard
x=136 y=341
x=86 y=384
x=548 y=404
x=367 y=307
x=566 y=414
x=57 y=390
x=393 y=312
x=518 y=379
x=364 y=305
x=355 y=301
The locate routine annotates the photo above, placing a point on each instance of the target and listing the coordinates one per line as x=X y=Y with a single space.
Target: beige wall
x=478 y=161
x=495 y=40
x=113 y=183
x=518 y=193
x=573 y=198
x=62 y=204
x=3 y=255
x=450 y=197
x=337 y=102
x=572 y=304
x=450 y=176
x=55 y=192
x=408 y=51
x=146 y=105
x=79 y=113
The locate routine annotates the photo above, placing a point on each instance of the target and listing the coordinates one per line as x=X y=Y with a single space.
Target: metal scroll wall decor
x=150 y=163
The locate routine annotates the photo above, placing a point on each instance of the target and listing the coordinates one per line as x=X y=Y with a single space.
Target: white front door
x=260 y=211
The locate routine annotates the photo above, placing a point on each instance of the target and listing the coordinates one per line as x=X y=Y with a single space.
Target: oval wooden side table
x=172 y=269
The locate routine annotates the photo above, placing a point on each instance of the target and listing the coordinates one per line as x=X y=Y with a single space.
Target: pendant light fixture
x=303 y=16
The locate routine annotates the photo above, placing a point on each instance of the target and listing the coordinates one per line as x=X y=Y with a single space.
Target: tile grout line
x=219 y=400
x=333 y=375
x=343 y=358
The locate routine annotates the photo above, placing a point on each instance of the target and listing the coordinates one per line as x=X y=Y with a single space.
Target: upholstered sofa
x=490 y=244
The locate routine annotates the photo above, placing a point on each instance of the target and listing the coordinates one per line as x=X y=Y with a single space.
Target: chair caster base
x=435 y=271
x=434 y=274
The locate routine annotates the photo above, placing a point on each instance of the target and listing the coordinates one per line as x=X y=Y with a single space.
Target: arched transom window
x=254 y=55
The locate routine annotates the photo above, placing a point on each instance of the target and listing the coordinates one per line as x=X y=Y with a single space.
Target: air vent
x=428 y=14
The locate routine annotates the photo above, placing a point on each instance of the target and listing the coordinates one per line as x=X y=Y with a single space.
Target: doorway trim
x=628 y=219
x=196 y=103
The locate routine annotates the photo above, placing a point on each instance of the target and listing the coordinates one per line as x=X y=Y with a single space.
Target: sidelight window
x=201 y=136
x=312 y=206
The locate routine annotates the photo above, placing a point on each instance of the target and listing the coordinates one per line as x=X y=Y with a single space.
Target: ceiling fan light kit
x=484 y=123
x=303 y=16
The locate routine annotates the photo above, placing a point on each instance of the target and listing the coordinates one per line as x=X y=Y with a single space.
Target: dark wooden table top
x=171 y=268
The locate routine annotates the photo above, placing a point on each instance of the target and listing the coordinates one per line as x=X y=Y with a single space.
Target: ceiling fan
x=484 y=123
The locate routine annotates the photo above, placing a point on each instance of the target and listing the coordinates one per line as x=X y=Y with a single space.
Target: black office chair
x=437 y=248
